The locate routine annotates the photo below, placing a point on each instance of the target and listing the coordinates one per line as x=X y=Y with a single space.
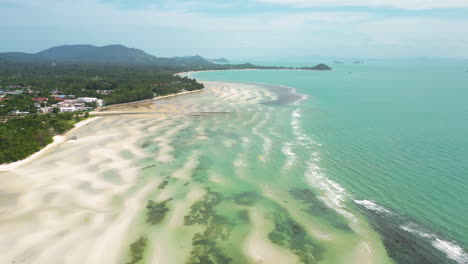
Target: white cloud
x=182 y=31
x=400 y=4
x=418 y=36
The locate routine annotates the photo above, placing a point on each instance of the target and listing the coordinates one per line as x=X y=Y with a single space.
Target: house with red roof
x=40 y=99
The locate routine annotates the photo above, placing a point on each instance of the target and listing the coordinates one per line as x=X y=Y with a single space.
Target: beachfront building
x=71 y=106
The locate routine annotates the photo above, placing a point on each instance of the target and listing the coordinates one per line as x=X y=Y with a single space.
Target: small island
x=319 y=67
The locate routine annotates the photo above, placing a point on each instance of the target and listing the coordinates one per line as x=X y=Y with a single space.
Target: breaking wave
x=372 y=206
x=449 y=248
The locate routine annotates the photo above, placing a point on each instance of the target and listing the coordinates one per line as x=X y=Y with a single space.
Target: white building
x=69 y=108
x=18 y=112
x=87 y=99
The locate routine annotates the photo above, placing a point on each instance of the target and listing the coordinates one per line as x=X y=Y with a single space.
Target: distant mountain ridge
x=89 y=53
x=121 y=55
x=111 y=54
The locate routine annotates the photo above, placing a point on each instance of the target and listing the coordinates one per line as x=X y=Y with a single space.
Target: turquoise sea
x=388 y=138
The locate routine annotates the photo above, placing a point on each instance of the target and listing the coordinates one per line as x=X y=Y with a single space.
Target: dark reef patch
x=149 y=167
x=246 y=198
x=289 y=234
x=163 y=184
x=318 y=208
x=205 y=251
x=202 y=211
x=156 y=211
x=146 y=144
x=244 y=216
x=205 y=245
x=137 y=250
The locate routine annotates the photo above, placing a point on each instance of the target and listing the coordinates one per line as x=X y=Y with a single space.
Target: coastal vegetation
x=112 y=83
x=21 y=137
x=22 y=103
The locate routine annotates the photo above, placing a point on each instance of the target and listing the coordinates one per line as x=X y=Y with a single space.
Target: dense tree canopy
x=113 y=83
x=21 y=137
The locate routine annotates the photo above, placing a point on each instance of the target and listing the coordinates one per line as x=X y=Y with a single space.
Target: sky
x=238 y=29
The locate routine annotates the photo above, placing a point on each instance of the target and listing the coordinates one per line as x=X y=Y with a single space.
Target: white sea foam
x=287 y=150
x=451 y=249
x=303 y=98
x=333 y=193
x=267 y=142
x=291 y=156
x=412 y=229
x=372 y=206
x=302 y=138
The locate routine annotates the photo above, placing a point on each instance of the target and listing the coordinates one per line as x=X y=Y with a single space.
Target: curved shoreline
x=271 y=86
x=57 y=140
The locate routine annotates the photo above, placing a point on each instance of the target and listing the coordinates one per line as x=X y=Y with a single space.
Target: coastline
x=105 y=109
x=177 y=94
x=57 y=140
